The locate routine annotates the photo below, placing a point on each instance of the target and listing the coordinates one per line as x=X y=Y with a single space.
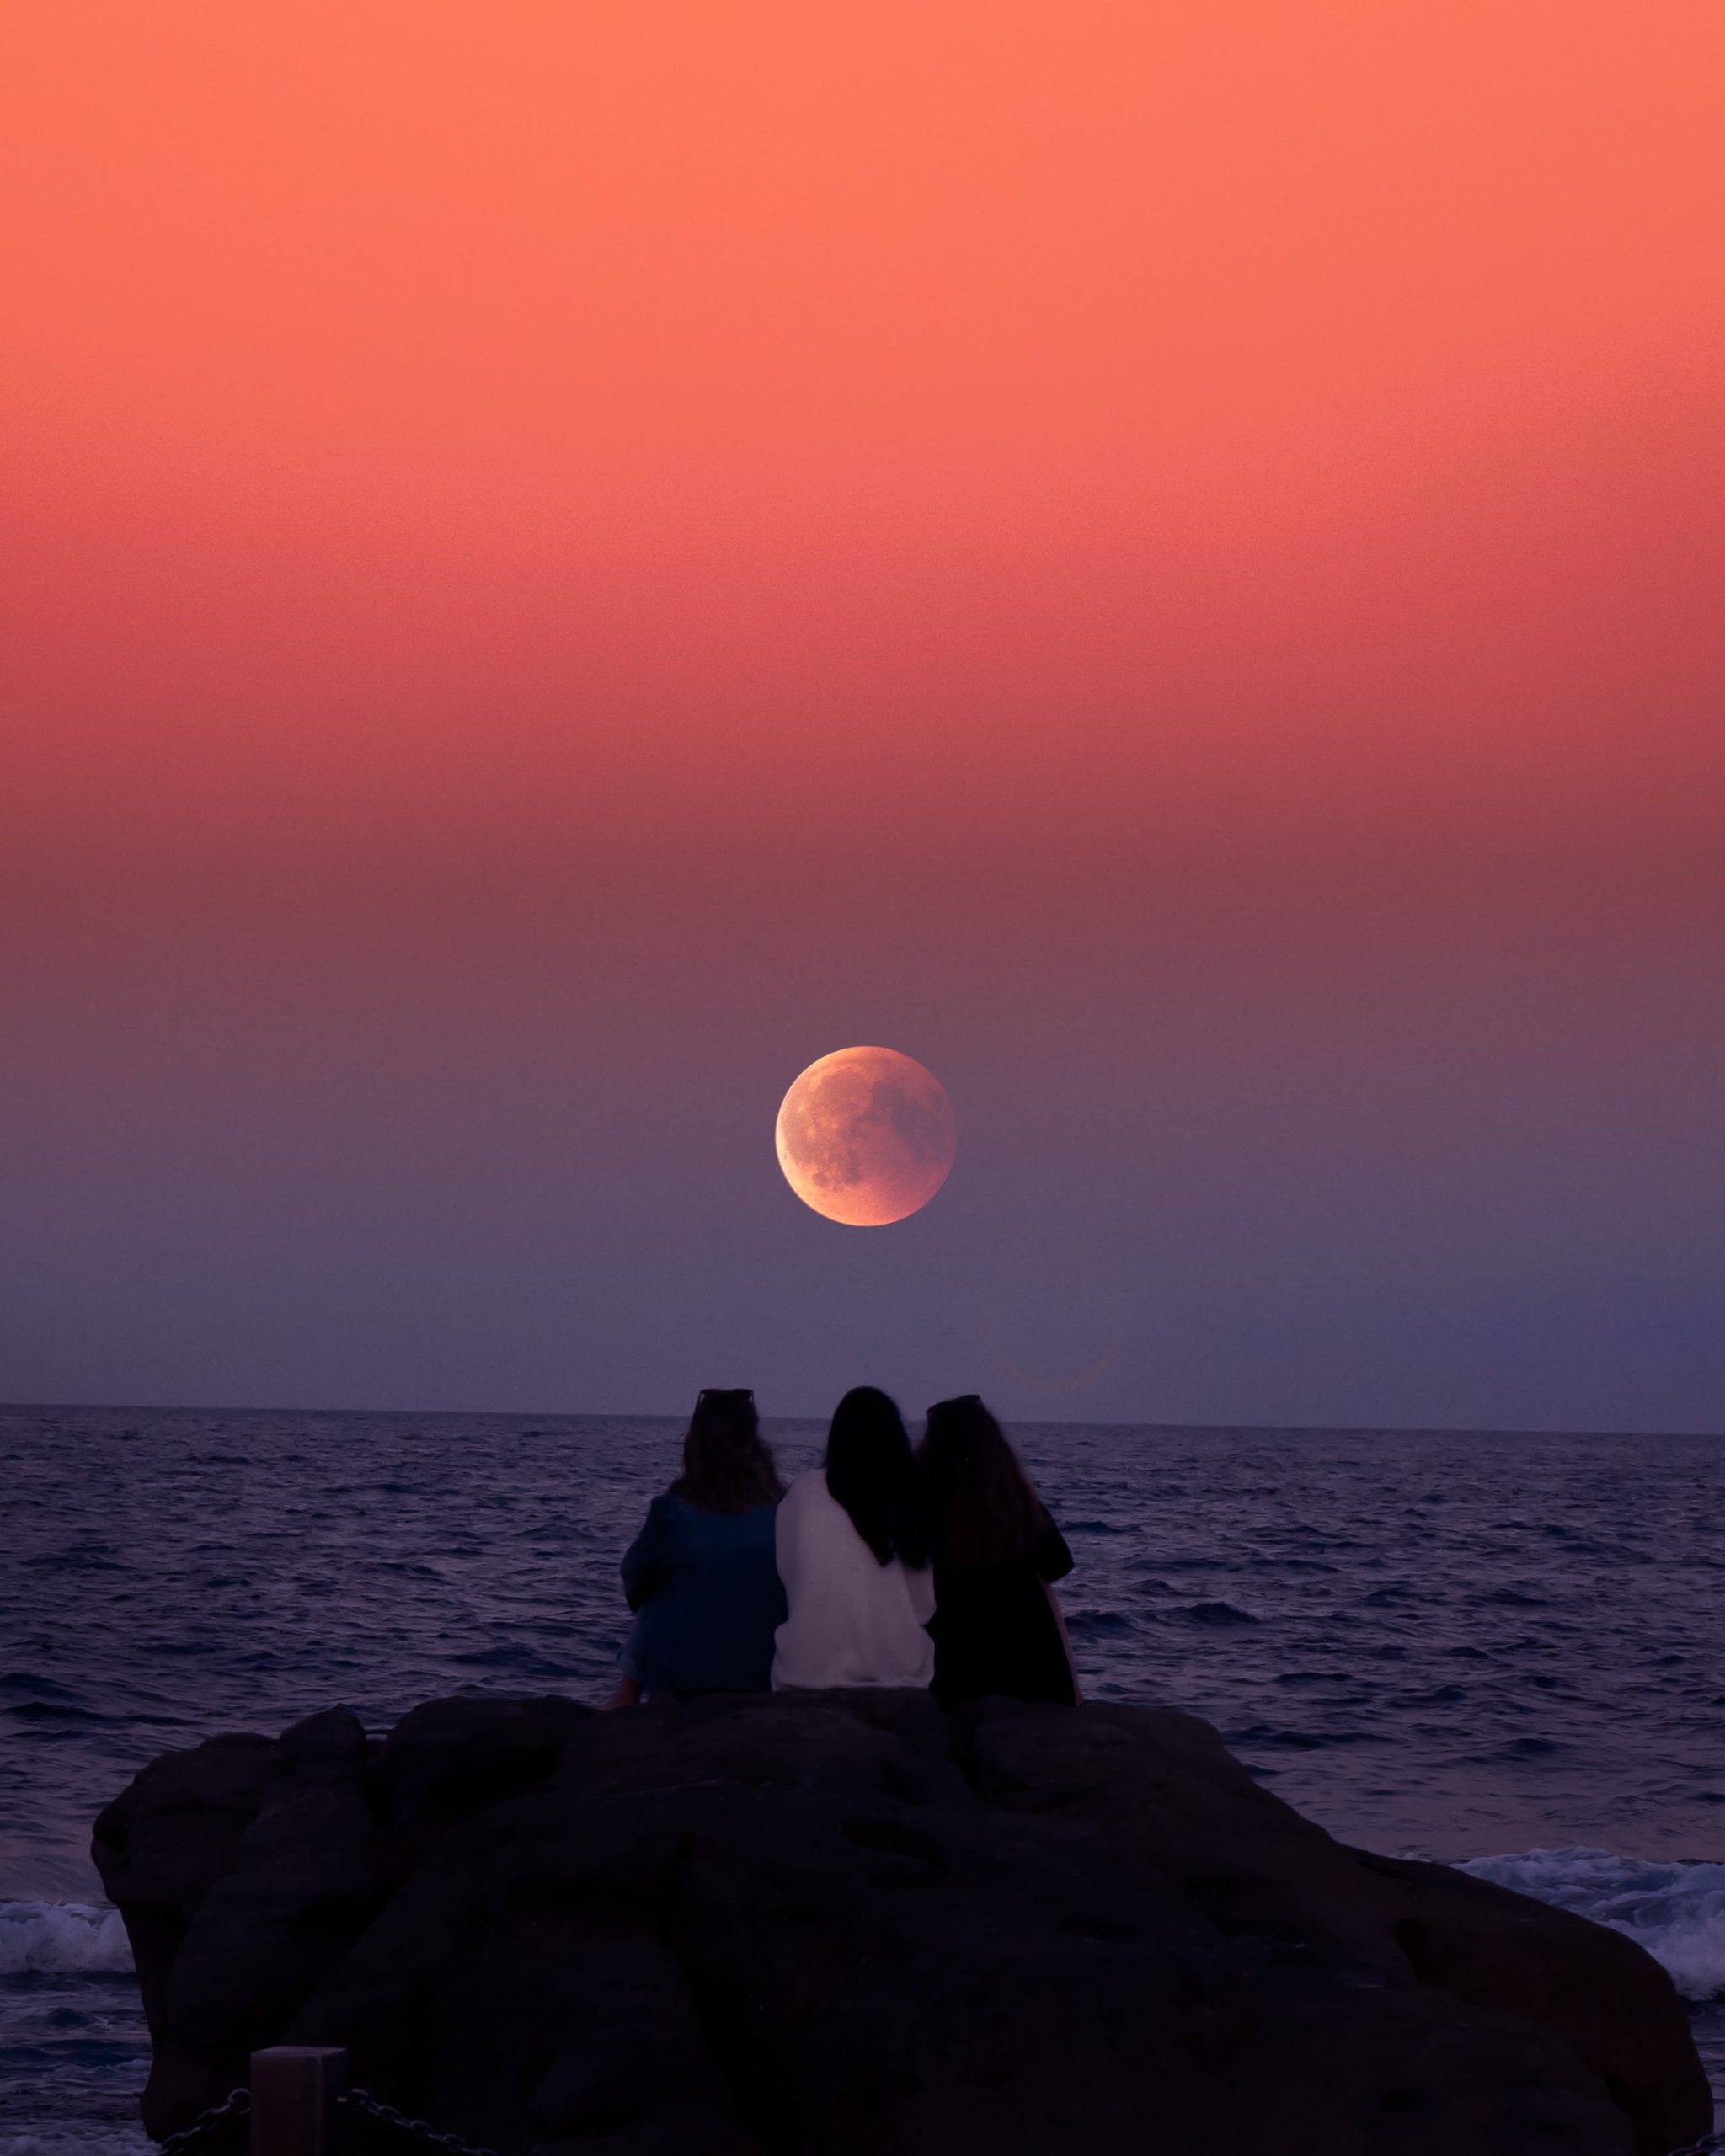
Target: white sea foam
x=1675 y=1911
x=77 y=2140
x=76 y=1939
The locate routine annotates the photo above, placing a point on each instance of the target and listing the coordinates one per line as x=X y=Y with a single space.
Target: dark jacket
x=995 y=1631
x=708 y=1589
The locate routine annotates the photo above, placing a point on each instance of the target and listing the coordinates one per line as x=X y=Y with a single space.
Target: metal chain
x=362 y=2100
x=234 y=2105
x=238 y=2103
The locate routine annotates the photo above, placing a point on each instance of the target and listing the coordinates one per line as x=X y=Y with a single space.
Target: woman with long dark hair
x=701 y=1574
x=997 y=1628
x=853 y=1555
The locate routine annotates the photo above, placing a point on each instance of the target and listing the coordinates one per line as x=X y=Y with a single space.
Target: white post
x=294 y=2088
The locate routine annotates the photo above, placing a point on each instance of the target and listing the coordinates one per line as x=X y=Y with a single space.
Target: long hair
x=871 y=1472
x=727 y=1467
x=983 y=1508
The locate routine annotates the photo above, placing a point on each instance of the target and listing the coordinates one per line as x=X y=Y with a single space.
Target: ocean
x=1497 y=1650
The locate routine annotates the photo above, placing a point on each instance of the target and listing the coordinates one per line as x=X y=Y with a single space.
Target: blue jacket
x=708 y=1589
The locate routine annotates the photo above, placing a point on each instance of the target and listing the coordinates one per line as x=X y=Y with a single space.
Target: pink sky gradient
x=560 y=564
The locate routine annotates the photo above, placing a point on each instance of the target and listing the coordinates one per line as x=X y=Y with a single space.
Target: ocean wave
x=80 y=1938
x=1676 y=1911
x=77 y=2140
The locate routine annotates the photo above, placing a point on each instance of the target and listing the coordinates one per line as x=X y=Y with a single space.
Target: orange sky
x=451 y=411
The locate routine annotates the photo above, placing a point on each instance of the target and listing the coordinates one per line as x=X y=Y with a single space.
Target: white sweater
x=853 y=1620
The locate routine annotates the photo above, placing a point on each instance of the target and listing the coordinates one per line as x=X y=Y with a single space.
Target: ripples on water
x=1464 y=1645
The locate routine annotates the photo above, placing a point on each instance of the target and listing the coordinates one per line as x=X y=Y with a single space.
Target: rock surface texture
x=846 y=1922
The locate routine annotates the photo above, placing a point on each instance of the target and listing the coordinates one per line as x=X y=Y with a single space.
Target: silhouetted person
x=998 y=1627
x=853 y=1555
x=702 y=1572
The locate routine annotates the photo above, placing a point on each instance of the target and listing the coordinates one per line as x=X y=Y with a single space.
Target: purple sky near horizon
x=1222 y=1157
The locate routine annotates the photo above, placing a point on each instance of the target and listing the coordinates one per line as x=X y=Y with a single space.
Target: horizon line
x=1017 y=1422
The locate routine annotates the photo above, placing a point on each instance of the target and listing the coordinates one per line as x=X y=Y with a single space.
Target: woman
x=702 y=1573
x=998 y=1629
x=853 y=1555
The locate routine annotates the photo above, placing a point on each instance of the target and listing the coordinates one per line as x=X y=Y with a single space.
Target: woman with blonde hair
x=700 y=1575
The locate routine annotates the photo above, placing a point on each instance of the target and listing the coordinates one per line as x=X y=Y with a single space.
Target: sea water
x=1500 y=1650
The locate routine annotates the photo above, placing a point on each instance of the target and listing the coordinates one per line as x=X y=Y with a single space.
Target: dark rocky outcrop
x=846 y=1922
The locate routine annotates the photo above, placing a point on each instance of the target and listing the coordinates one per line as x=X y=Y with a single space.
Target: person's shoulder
x=808 y=1488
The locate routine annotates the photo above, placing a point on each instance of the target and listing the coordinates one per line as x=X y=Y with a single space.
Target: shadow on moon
x=866 y=1136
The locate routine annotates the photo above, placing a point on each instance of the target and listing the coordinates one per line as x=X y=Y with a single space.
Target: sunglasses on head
x=727 y=1392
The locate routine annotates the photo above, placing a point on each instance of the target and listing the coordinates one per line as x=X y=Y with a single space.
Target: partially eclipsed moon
x=866 y=1136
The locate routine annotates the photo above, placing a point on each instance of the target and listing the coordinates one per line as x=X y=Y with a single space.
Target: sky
x=562 y=561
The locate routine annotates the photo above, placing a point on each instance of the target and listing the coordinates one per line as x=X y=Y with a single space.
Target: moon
x=866 y=1136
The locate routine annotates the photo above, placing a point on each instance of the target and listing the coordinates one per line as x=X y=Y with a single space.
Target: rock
x=166 y=1842
x=846 y=1922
